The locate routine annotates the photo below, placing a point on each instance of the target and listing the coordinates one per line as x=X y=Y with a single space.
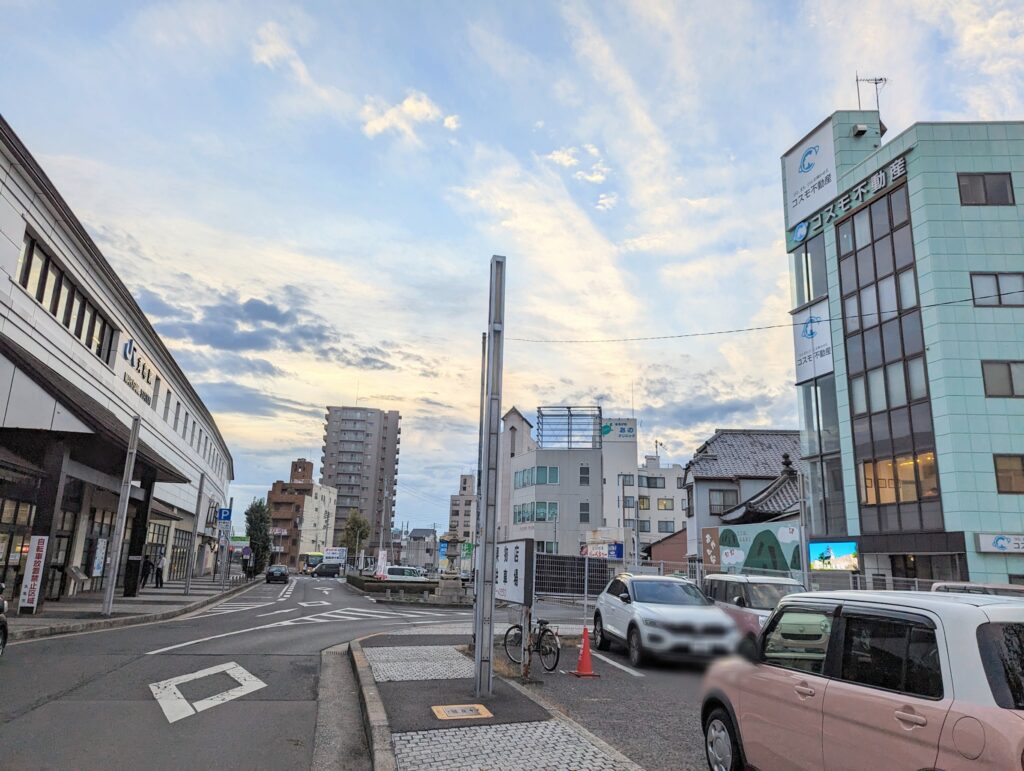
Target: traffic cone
x=583 y=666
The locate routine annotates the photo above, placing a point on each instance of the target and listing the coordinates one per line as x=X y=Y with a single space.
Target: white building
x=419 y=548
x=463 y=510
x=661 y=500
x=78 y=360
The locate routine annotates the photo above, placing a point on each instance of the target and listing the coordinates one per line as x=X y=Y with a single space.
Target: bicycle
x=543 y=640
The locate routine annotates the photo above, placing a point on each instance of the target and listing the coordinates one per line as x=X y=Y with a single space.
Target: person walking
x=147 y=568
x=158 y=578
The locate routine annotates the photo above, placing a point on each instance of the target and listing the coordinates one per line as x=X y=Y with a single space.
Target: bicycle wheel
x=514 y=643
x=550 y=649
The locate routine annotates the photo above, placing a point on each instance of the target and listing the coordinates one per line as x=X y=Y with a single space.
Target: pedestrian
x=147 y=568
x=161 y=563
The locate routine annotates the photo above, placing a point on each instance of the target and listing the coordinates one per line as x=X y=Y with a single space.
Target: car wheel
x=720 y=742
x=601 y=641
x=637 y=657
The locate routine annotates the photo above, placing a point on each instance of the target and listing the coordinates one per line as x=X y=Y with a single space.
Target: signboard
x=138 y=373
x=833 y=555
x=381 y=570
x=33 y=579
x=619 y=430
x=335 y=555
x=615 y=551
x=442 y=550
x=610 y=551
x=809 y=170
x=1000 y=543
x=246 y=552
x=771 y=546
x=223 y=515
x=513 y=572
x=710 y=548
x=467 y=551
x=100 y=558
x=812 y=341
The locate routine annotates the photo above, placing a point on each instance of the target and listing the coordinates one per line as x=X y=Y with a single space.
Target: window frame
x=995 y=466
x=1008 y=364
x=727 y=506
x=985 y=176
x=829 y=609
x=996 y=274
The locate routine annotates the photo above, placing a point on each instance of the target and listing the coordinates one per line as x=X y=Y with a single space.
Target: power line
x=895 y=314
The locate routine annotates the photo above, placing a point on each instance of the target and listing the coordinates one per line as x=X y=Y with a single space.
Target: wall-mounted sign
x=810 y=174
x=812 y=341
x=33 y=579
x=619 y=430
x=1001 y=543
x=513 y=572
x=139 y=373
x=99 y=558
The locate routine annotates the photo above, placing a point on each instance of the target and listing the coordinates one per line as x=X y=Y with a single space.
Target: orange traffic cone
x=583 y=666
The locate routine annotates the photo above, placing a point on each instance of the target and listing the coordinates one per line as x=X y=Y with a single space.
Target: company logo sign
x=812 y=342
x=800 y=232
x=136 y=361
x=1001 y=543
x=807 y=159
x=619 y=430
x=809 y=330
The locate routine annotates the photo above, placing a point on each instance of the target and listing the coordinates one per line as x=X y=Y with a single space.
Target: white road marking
x=231 y=607
x=314 y=603
x=275 y=612
x=175 y=706
x=617 y=664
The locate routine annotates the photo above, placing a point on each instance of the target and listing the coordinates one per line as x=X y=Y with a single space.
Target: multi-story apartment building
x=661 y=500
x=463 y=509
x=360 y=460
x=301 y=516
x=907 y=269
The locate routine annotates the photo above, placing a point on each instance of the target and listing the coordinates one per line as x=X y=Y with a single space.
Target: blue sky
x=305 y=197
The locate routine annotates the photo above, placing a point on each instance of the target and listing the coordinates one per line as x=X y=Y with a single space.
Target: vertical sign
x=382 y=565
x=809 y=170
x=710 y=549
x=99 y=558
x=513 y=572
x=812 y=342
x=33 y=572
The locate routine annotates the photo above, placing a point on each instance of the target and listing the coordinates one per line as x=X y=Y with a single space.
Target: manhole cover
x=460 y=711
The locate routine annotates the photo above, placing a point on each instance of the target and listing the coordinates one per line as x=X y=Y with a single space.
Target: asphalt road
x=242 y=693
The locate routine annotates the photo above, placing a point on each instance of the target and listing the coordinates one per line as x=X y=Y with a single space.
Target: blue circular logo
x=807 y=159
x=800 y=232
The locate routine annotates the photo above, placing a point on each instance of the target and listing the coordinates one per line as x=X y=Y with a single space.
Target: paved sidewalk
x=415 y=669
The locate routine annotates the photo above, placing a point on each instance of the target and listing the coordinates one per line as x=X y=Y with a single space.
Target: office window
x=722 y=500
x=679 y=483
x=809 y=280
x=666 y=526
x=666 y=504
x=584 y=511
x=1003 y=378
x=643 y=525
x=192 y=437
x=985 y=189
x=177 y=414
x=1010 y=473
x=584 y=476
x=627 y=480
x=629 y=502
x=997 y=288
x=645 y=503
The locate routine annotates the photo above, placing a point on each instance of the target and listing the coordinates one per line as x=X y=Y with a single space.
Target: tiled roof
x=780 y=497
x=735 y=452
x=421 y=532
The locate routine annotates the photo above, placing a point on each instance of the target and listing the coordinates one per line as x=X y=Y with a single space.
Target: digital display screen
x=834 y=555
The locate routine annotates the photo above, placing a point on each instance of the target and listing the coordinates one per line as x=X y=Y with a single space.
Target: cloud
x=592 y=150
x=597 y=174
x=606 y=201
x=566 y=157
x=197 y=362
x=452 y=122
x=230 y=396
x=402 y=118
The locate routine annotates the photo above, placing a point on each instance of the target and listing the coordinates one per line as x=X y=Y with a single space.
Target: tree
x=257 y=528
x=357 y=530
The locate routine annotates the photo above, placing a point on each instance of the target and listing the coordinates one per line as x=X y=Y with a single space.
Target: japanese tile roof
x=781 y=497
x=734 y=452
x=421 y=532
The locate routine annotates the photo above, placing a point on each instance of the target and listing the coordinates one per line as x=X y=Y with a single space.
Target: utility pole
x=122 y=517
x=190 y=562
x=483 y=617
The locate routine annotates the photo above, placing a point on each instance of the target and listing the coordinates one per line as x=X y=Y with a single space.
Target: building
x=908 y=298
x=360 y=460
x=420 y=548
x=734 y=465
x=301 y=516
x=661 y=501
x=463 y=510
x=78 y=361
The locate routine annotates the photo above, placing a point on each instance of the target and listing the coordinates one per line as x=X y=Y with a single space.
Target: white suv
x=661 y=616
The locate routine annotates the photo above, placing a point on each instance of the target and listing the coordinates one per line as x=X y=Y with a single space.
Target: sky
x=304 y=197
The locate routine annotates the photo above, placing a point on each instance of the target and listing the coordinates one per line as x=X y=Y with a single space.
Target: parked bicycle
x=543 y=640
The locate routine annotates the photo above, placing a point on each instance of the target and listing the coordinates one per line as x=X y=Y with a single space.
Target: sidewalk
x=83 y=613
x=405 y=675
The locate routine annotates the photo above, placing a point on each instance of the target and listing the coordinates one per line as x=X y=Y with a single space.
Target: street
x=101 y=699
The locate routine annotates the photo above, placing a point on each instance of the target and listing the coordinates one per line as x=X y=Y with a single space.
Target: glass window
x=869 y=307
x=829 y=414
x=996 y=376
x=882 y=446
x=898 y=201
x=722 y=500
x=908 y=289
x=902 y=248
x=897 y=384
x=645 y=502
x=846 y=237
x=913 y=338
x=584 y=475
x=906 y=482
x=916 y=378
x=858 y=396
x=1017 y=377
x=899 y=419
x=876 y=389
x=1011 y=288
x=88 y=320
x=985 y=189
x=541 y=510
x=36 y=275
x=867 y=492
x=666 y=526
x=49 y=298
x=985 y=288
x=921 y=420
x=879 y=218
x=892 y=345
x=643 y=525
x=891 y=655
x=848 y=274
x=862 y=437
x=862 y=228
x=928 y=474
x=1002 y=654
x=64 y=302
x=883 y=256
x=886 y=481
x=809 y=419
x=872 y=348
x=552 y=475
x=666 y=504
x=542 y=475
x=798 y=639
x=816 y=264
x=584 y=511
x=798 y=277
x=865 y=265
x=972 y=189
x=851 y=311
x=887 y=298
x=1010 y=473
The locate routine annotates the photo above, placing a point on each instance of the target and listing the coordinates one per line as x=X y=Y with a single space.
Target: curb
x=375 y=718
x=76 y=627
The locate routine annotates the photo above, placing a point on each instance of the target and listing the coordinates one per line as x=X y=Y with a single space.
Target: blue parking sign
x=223 y=515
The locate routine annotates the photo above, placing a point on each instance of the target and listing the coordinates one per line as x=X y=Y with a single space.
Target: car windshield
x=767 y=596
x=668 y=593
x=1002 y=653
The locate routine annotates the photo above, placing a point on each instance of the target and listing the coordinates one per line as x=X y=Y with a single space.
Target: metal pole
x=483 y=628
x=586 y=587
x=805 y=565
x=225 y=564
x=122 y=516
x=191 y=562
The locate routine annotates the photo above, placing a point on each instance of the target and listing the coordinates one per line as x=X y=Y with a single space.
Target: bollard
x=401 y=594
x=387 y=594
x=425 y=595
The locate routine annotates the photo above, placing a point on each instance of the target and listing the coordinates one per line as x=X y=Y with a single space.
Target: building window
x=666 y=526
x=645 y=503
x=679 y=483
x=627 y=480
x=1003 y=378
x=997 y=288
x=546 y=547
x=666 y=504
x=584 y=511
x=1010 y=473
x=985 y=189
x=629 y=502
x=807 y=274
x=722 y=500
x=643 y=525
x=584 y=476
x=654 y=483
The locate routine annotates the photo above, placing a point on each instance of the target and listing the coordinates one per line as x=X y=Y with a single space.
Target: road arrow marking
x=274 y=613
x=176 y=707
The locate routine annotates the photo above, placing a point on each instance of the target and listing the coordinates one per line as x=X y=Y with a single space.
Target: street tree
x=257 y=528
x=357 y=530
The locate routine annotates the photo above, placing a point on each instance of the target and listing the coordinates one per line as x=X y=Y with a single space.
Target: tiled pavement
x=418 y=662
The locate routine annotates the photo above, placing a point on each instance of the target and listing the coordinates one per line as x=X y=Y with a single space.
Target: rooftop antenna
x=878 y=83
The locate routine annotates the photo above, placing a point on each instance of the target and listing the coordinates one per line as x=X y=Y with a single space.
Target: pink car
x=748 y=600
x=873 y=680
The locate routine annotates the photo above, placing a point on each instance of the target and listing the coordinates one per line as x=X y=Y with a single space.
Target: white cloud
x=598 y=173
x=566 y=157
x=606 y=201
x=538 y=125
x=452 y=122
x=592 y=150
x=400 y=118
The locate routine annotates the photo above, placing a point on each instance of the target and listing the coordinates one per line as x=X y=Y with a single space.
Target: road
x=234 y=685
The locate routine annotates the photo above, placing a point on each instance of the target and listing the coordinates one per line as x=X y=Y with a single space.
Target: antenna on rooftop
x=878 y=83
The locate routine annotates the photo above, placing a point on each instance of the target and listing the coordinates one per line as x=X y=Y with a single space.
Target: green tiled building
x=907 y=267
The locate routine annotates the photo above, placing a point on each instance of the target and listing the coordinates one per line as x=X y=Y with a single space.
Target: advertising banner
x=513 y=572
x=812 y=342
x=33 y=579
x=770 y=546
x=335 y=555
x=99 y=558
x=833 y=555
x=619 y=430
x=809 y=170
x=381 y=570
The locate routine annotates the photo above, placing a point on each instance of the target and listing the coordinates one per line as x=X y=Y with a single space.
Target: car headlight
x=651 y=622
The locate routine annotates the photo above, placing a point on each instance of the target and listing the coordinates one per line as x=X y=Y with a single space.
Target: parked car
x=748 y=600
x=327 y=570
x=1001 y=590
x=3 y=621
x=277 y=573
x=873 y=680
x=402 y=573
x=661 y=616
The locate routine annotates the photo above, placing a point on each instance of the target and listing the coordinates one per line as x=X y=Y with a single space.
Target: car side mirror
x=748 y=649
x=625 y=597
x=739 y=602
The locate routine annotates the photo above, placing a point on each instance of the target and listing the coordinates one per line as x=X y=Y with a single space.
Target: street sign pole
x=122 y=517
x=483 y=619
x=190 y=562
x=225 y=539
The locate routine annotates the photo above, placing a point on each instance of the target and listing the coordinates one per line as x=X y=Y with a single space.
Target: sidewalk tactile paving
x=542 y=745
x=417 y=662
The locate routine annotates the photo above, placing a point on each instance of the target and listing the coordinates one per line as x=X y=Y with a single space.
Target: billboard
x=834 y=555
x=335 y=555
x=809 y=171
x=812 y=341
x=618 y=430
x=771 y=546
